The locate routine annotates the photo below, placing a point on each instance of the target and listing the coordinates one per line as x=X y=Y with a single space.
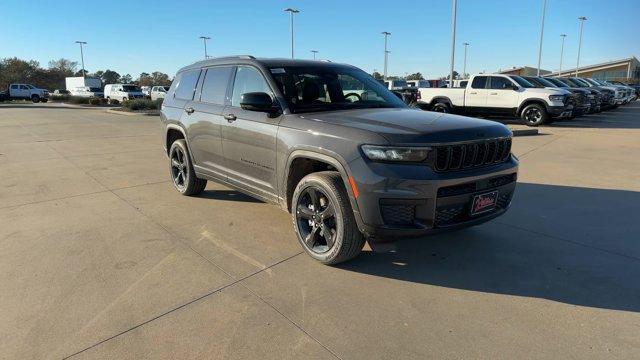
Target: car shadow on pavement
x=573 y=245
x=227 y=195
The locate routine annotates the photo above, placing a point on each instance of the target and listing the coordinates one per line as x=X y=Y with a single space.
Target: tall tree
x=110 y=77
x=63 y=66
x=14 y=70
x=126 y=79
x=415 y=76
x=376 y=75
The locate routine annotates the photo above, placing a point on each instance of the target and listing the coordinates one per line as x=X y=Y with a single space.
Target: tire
x=441 y=107
x=315 y=223
x=124 y=99
x=534 y=115
x=181 y=170
x=35 y=99
x=44 y=100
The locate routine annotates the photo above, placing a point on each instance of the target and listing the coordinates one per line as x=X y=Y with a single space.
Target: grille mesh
x=462 y=156
x=398 y=214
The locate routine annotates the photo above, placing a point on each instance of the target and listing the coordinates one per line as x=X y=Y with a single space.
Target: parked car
x=26 y=92
x=631 y=92
x=419 y=84
x=607 y=95
x=146 y=91
x=348 y=166
x=500 y=95
x=158 y=92
x=59 y=93
x=595 y=97
x=579 y=97
x=115 y=93
x=408 y=94
x=616 y=94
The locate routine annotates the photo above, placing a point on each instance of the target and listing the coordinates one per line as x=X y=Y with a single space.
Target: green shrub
x=79 y=100
x=95 y=101
x=141 y=104
x=64 y=98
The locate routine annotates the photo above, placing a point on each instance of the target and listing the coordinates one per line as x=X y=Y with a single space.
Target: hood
x=403 y=126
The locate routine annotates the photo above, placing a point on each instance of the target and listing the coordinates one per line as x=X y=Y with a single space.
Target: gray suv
x=328 y=143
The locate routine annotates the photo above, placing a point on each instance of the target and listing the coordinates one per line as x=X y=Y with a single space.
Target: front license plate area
x=483 y=203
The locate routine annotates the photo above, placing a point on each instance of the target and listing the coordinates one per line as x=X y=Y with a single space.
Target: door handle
x=493 y=94
x=473 y=93
x=230 y=117
x=190 y=110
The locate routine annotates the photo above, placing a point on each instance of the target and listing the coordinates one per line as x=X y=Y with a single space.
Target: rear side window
x=214 y=87
x=248 y=79
x=479 y=82
x=500 y=83
x=187 y=85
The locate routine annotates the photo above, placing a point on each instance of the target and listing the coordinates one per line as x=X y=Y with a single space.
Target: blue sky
x=139 y=35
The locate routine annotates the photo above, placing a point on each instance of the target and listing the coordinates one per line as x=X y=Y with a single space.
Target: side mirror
x=515 y=87
x=258 y=101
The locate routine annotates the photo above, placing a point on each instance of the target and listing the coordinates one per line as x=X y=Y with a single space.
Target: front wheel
x=534 y=115
x=35 y=99
x=182 y=173
x=323 y=219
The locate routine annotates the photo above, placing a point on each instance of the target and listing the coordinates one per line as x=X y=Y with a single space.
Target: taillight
x=419 y=96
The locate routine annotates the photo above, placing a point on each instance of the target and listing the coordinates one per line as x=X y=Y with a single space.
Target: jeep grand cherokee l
x=328 y=143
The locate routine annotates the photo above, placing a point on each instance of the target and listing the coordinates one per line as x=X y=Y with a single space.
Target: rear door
x=502 y=99
x=249 y=137
x=475 y=96
x=205 y=131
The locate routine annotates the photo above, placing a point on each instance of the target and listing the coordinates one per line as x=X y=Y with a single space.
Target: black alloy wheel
x=316 y=218
x=179 y=172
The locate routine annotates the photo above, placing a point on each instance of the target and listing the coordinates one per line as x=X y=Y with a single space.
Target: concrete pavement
x=101 y=258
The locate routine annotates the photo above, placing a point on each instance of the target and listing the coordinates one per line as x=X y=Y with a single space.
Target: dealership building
x=625 y=70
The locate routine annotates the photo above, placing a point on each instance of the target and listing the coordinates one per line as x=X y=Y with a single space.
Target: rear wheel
x=323 y=219
x=441 y=107
x=182 y=173
x=35 y=98
x=534 y=115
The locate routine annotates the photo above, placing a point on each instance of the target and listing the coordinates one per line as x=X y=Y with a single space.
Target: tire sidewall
x=180 y=143
x=542 y=110
x=444 y=106
x=319 y=182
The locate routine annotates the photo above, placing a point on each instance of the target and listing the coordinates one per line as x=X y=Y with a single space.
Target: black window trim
x=486 y=81
x=195 y=89
x=274 y=94
x=502 y=77
x=227 y=95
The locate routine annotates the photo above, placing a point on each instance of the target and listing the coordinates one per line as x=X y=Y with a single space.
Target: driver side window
x=248 y=79
x=500 y=83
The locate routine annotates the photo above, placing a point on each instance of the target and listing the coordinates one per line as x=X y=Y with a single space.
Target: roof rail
x=232 y=57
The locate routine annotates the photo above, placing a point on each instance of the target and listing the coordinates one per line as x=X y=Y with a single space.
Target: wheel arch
x=528 y=102
x=291 y=178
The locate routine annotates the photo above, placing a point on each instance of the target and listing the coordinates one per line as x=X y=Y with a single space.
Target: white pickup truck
x=27 y=92
x=499 y=95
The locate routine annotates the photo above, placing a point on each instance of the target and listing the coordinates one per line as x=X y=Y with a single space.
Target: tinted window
x=500 y=83
x=214 y=87
x=463 y=83
x=187 y=84
x=248 y=79
x=22 y=87
x=521 y=81
x=14 y=86
x=479 y=82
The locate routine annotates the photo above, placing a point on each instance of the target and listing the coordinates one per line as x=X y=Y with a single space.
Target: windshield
x=571 y=82
x=581 y=81
x=130 y=88
x=521 y=81
x=95 y=89
x=545 y=82
x=398 y=83
x=557 y=82
x=328 y=88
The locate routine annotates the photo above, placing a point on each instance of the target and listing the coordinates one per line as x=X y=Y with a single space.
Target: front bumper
x=560 y=111
x=401 y=200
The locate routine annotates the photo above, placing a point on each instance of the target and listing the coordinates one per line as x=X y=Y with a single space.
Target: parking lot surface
x=101 y=258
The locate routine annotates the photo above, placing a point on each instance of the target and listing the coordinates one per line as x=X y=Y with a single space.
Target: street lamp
x=386 y=53
x=314 y=53
x=204 y=40
x=544 y=10
x=82 y=56
x=582 y=20
x=454 y=9
x=291 y=11
x=561 y=52
x=464 y=68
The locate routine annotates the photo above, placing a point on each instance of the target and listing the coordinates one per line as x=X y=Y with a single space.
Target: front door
x=502 y=99
x=249 y=137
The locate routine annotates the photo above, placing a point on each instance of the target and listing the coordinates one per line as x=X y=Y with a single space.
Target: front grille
x=475 y=154
x=398 y=214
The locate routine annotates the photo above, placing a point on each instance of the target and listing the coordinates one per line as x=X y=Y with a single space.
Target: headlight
x=395 y=153
x=556 y=98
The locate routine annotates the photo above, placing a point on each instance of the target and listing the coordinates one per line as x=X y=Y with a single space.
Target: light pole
x=454 y=9
x=291 y=11
x=582 y=19
x=204 y=40
x=544 y=10
x=464 y=68
x=314 y=53
x=82 y=56
x=386 y=53
x=561 y=52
